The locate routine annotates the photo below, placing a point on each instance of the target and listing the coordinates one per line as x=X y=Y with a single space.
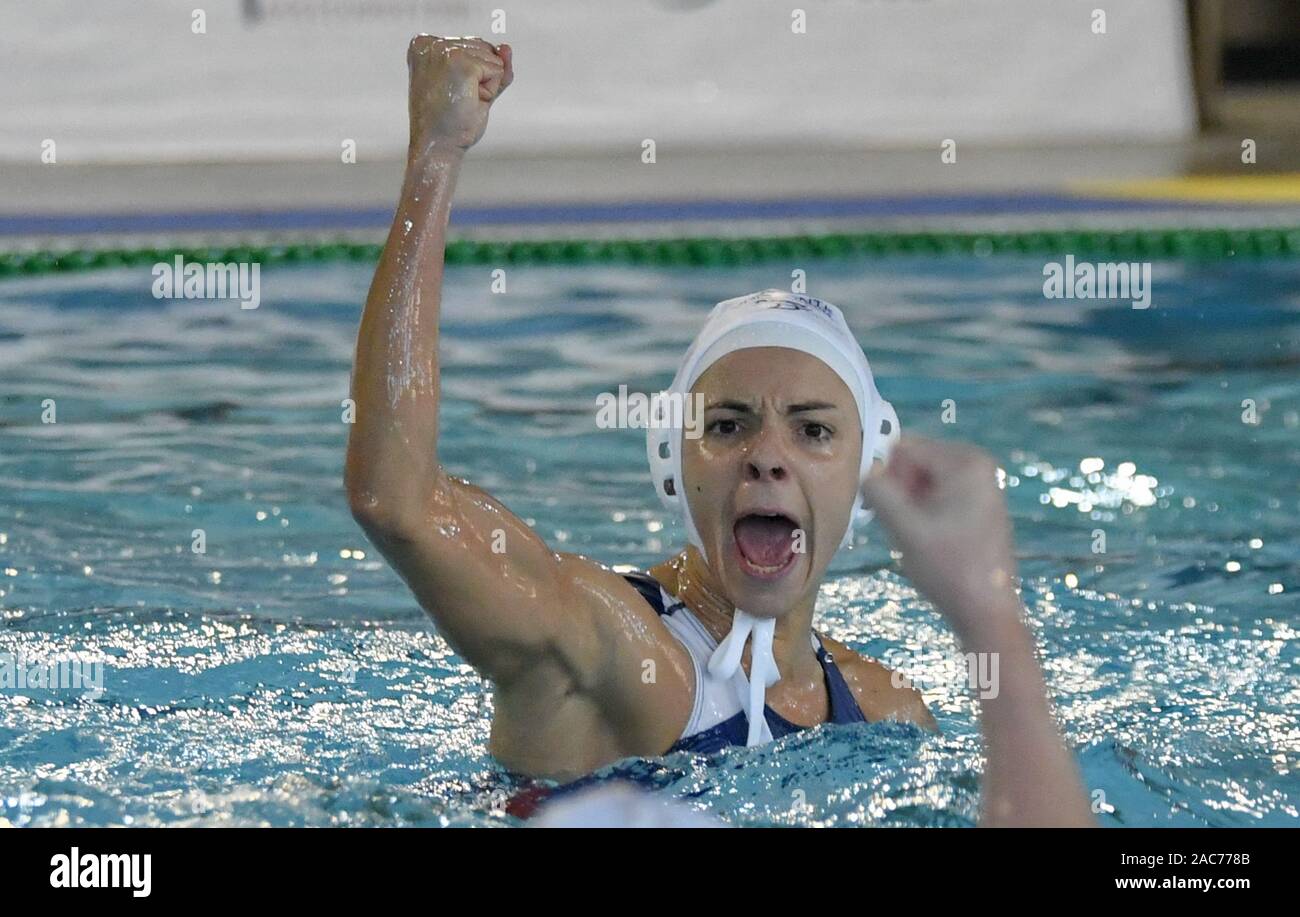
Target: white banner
x=158 y=80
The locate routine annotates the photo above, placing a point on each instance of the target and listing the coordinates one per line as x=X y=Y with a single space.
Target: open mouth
x=765 y=544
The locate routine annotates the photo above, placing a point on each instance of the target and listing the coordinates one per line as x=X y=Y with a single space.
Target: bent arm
x=546 y=627
x=491 y=585
x=392 y=468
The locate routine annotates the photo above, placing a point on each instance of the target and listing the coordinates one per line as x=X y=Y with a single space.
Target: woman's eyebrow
x=742 y=407
x=809 y=406
x=730 y=405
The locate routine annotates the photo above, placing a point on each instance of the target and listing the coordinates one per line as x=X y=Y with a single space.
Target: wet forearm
x=1031 y=777
x=393 y=444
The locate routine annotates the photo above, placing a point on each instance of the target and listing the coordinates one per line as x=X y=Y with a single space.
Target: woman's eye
x=724 y=427
x=817 y=431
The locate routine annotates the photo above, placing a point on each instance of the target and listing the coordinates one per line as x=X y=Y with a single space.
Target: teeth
x=764 y=568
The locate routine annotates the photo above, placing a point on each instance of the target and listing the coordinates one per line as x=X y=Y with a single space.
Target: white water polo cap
x=771 y=318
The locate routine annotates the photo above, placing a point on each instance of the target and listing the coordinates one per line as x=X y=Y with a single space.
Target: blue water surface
x=284 y=676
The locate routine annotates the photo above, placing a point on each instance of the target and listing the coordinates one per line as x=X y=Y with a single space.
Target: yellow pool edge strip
x=1276 y=188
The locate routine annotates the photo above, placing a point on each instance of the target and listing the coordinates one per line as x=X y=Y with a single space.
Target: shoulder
x=631 y=665
x=616 y=608
x=881 y=693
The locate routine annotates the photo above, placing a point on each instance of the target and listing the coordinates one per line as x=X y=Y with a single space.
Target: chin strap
x=763 y=673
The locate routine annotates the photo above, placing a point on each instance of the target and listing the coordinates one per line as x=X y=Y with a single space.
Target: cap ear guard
x=887 y=435
x=881 y=445
x=661 y=443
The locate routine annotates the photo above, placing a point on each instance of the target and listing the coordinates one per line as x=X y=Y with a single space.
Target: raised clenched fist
x=942 y=507
x=454 y=82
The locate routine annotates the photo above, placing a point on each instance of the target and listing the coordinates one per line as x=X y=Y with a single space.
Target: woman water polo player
x=787 y=461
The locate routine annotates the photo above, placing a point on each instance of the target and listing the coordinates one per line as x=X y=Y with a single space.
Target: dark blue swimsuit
x=732 y=731
x=735 y=730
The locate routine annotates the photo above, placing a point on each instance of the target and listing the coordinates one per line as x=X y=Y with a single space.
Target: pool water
x=286 y=677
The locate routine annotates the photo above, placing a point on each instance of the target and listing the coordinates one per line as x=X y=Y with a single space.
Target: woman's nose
x=766 y=461
x=757 y=471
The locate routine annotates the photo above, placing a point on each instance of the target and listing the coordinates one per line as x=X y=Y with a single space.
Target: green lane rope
x=1128 y=244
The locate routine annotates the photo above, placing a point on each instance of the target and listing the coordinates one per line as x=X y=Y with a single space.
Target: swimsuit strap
x=844 y=706
x=648 y=586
